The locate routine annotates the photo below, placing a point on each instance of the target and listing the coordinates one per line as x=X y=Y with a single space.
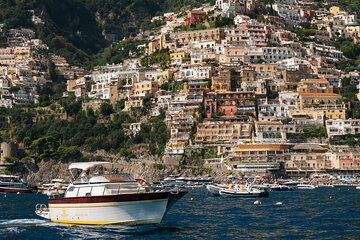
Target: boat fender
x=18 y=193
x=330 y=197
x=257 y=202
x=191 y=199
x=279 y=203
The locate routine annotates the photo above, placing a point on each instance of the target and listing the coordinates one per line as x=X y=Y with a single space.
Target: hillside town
x=263 y=91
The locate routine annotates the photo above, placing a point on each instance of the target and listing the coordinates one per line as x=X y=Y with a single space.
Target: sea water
x=322 y=213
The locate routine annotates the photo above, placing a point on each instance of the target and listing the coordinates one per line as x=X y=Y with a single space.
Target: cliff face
x=145 y=167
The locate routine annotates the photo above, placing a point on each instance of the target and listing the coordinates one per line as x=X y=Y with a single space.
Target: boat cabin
x=101 y=184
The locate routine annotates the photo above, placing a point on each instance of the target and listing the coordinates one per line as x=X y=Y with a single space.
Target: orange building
x=194 y=17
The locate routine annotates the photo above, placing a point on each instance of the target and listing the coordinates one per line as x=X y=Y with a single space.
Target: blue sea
x=323 y=213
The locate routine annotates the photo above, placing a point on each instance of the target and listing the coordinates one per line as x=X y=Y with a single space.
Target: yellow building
x=214 y=131
x=338 y=113
x=262 y=158
x=221 y=82
x=213 y=34
x=315 y=85
x=141 y=89
x=156 y=44
x=318 y=100
x=133 y=103
x=179 y=57
x=306 y=158
x=334 y=10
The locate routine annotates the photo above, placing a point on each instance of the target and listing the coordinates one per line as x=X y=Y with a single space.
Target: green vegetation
x=308 y=132
x=172 y=86
x=154 y=133
x=348 y=92
x=116 y=53
x=219 y=22
x=351 y=51
x=305 y=32
x=77 y=29
x=148 y=25
x=58 y=139
x=350 y=5
x=348 y=139
x=161 y=57
x=272 y=94
x=106 y=109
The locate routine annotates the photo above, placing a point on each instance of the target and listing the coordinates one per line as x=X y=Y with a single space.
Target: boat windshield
x=104 y=178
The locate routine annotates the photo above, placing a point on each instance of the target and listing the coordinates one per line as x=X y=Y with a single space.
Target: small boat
x=215 y=188
x=103 y=199
x=280 y=188
x=358 y=187
x=325 y=185
x=56 y=187
x=291 y=183
x=12 y=184
x=305 y=186
x=241 y=192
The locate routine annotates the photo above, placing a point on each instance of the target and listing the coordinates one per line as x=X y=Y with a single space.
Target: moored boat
x=325 y=185
x=108 y=199
x=12 y=184
x=243 y=194
x=56 y=187
x=305 y=186
x=280 y=188
x=215 y=188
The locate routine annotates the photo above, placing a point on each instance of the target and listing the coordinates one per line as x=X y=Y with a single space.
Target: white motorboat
x=215 y=188
x=244 y=192
x=325 y=185
x=280 y=188
x=358 y=187
x=107 y=199
x=291 y=183
x=305 y=186
x=56 y=187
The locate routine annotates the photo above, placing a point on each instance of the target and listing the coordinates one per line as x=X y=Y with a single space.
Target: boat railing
x=41 y=207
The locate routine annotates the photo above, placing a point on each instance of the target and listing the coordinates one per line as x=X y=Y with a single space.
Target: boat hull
x=142 y=208
x=230 y=193
x=282 y=189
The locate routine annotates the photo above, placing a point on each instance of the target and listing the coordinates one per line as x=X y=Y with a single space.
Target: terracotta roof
x=269 y=123
x=260 y=147
x=316 y=80
x=307 y=146
x=319 y=95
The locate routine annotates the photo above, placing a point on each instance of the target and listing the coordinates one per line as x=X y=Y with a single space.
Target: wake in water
x=22 y=222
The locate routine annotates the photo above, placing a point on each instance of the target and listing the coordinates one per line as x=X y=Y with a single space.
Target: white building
x=342 y=127
x=103 y=76
x=194 y=72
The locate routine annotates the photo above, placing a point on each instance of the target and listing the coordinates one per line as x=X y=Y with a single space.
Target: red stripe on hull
x=111 y=198
x=14 y=190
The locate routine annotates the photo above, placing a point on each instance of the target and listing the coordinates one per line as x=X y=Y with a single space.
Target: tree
x=106 y=109
x=44 y=147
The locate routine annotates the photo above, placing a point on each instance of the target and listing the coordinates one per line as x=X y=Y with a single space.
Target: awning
x=87 y=165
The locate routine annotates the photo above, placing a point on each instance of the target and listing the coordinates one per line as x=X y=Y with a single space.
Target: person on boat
x=85 y=176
